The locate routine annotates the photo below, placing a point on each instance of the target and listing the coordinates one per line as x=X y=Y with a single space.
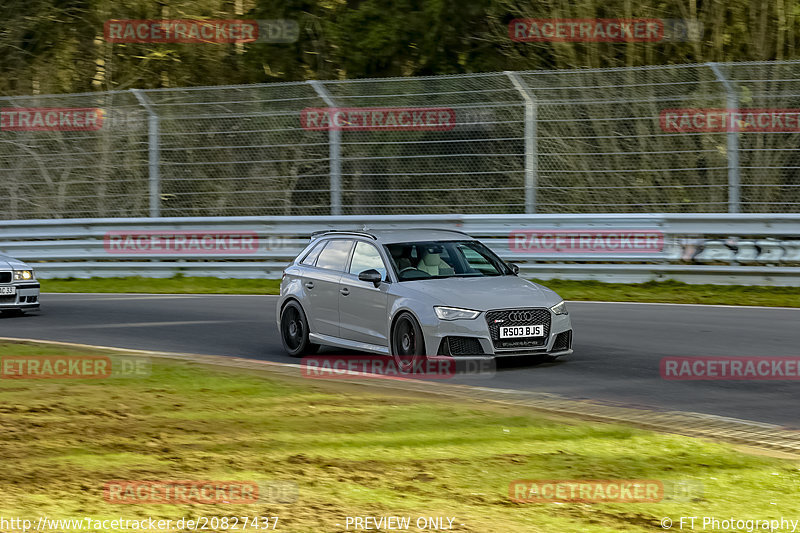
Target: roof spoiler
x=315 y=234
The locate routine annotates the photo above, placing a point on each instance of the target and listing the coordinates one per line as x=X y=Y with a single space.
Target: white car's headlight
x=560 y=308
x=23 y=275
x=454 y=313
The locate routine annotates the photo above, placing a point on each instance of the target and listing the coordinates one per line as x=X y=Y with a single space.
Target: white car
x=19 y=290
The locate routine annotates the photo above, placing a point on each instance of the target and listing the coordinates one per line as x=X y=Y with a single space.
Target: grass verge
x=676 y=292
x=173 y=285
x=351 y=450
x=654 y=291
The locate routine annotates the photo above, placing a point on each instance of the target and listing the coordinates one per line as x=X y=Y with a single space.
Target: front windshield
x=444 y=259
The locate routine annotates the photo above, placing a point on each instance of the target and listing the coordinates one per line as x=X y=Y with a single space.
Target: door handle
x=309 y=285
x=345 y=291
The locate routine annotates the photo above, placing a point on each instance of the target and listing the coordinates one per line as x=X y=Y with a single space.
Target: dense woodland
x=240 y=151
x=57 y=46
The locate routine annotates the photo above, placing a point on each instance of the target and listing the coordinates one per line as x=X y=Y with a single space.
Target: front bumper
x=25 y=297
x=463 y=337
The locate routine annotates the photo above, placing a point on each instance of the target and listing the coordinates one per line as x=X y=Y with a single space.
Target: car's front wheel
x=294 y=331
x=408 y=344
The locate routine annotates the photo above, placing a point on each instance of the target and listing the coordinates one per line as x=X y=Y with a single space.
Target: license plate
x=8 y=290
x=511 y=332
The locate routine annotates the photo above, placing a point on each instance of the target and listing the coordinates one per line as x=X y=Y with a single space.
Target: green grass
x=173 y=285
x=676 y=292
x=352 y=451
x=654 y=291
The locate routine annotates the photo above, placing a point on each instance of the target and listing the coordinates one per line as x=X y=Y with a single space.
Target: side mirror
x=371 y=275
x=514 y=268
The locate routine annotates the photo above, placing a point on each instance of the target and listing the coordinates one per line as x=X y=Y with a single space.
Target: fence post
x=335 y=150
x=732 y=102
x=153 y=153
x=531 y=140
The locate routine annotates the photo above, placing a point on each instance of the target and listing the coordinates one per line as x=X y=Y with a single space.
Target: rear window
x=335 y=255
x=313 y=254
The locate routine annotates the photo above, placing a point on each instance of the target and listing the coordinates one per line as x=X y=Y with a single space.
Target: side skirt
x=330 y=340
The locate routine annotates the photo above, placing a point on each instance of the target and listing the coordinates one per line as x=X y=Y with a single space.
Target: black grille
x=563 y=341
x=8 y=299
x=518 y=317
x=460 y=346
x=5 y=277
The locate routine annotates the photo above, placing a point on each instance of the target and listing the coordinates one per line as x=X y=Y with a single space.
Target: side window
x=366 y=257
x=335 y=254
x=313 y=254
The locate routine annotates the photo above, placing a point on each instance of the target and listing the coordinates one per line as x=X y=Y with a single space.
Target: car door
x=362 y=306
x=321 y=285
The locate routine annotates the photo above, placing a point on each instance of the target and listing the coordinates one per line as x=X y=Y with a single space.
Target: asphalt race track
x=618 y=346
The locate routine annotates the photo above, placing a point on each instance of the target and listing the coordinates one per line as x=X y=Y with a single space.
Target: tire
x=408 y=344
x=294 y=331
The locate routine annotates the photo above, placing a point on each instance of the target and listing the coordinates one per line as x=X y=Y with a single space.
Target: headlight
x=560 y=308
x=23 y=275
x=454 y=313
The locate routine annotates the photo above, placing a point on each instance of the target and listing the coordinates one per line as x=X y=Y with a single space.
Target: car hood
x=9 y=263
x=486 y=293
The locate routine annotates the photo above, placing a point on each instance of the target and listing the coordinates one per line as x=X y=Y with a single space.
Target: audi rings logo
x=521 y=316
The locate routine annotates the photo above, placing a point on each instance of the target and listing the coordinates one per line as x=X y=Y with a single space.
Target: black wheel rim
x=406 y=344
x=292 y=328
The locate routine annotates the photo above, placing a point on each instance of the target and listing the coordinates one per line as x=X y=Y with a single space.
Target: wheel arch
x=399 y=312
x=288 y=299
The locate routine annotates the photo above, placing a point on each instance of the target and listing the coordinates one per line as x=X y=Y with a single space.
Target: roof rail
x=315 y=234
x=440 y=229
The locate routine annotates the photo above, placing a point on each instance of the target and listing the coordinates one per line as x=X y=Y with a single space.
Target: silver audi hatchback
x=414 y=293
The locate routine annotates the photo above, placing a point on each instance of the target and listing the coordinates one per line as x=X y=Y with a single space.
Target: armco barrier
x=696 y=248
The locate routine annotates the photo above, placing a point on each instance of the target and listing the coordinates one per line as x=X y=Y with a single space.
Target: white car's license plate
x=510 y=332
x=8 y=290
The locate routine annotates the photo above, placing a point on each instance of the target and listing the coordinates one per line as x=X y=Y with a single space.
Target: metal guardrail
x=759 y=249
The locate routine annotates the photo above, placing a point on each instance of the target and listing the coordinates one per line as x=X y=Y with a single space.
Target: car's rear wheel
x=408 y=344
x=294 y=331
